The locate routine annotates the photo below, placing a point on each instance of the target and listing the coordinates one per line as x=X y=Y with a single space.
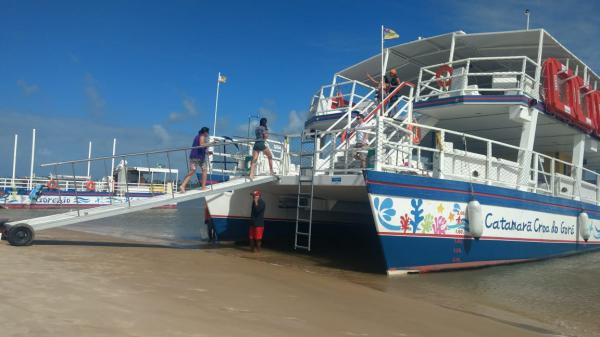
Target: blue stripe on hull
x=427 y=253
x=433 y=253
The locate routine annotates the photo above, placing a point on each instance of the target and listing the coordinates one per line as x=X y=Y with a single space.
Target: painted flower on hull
x=427 y=223
x=404 y=222
x=385 y=213
x=439 y=225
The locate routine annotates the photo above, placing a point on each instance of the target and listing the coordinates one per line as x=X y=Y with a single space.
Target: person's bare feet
x=182 y=190
x=204 y=188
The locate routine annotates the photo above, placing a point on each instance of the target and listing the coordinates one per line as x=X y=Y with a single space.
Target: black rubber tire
x=20 y=235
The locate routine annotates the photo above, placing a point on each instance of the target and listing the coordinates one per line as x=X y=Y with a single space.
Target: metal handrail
x=135 y=154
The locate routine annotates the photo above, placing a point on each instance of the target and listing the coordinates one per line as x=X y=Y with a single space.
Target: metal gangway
x=22 y=232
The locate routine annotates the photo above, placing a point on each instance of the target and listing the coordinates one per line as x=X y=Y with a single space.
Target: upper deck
x=490 y=84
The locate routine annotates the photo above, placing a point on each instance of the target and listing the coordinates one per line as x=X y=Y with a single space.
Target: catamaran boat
x=63 y=191
x=485 y=154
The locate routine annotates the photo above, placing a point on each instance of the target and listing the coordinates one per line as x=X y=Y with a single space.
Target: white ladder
x=306 y=188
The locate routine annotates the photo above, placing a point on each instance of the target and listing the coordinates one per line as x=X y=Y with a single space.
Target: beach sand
x=78 y=284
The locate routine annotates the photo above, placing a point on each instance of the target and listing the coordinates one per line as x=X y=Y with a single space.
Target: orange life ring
x=52 y=184
x=416 y=134
x=338 y=101
x=90 y=186
x=444 y=71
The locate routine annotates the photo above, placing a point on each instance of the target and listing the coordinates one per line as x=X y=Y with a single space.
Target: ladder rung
x=307 y=154
x=302 y=247
x=300 y=194
x=304 y=206
x=302 y=233
x=304 y=220
x=306 y=180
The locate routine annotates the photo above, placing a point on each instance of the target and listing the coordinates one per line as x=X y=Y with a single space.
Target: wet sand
x=78 y=284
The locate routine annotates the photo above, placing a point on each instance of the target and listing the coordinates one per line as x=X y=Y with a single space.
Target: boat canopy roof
x=408 y=58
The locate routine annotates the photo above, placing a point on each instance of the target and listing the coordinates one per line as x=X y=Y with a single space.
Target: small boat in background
x=59 y=191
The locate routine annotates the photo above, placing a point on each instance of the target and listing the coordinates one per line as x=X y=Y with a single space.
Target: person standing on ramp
x=260 y=145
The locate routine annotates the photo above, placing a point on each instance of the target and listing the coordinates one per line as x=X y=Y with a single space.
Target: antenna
x=527 y=15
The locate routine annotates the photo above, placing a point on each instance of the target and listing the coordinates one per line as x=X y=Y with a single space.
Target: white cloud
x=242 y=129
x=573 y=25
x=161 y=133
x=74 y=58
x=189 y=110
x=190 y=106
x=54 y=144
x=95 y=100
x=28 y=89
x=295 y=123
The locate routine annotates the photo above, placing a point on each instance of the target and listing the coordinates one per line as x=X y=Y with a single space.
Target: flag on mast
x=389 y=34
x=222 y=78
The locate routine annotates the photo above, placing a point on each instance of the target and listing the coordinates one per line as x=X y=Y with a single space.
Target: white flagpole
x=381 y=111
x=14 y=168
x=89 y=157
x=216 y=104
x=32 y=160
x=112 y=165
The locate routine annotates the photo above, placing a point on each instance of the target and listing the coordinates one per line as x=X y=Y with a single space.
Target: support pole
x=381 y=111
x=216 y=104
x=578 y=154
x=112 y=167
x=89 y=157
x=378 y=143
x=14 y=168
x=526 y=145
x=30 y=185
x=452 y=46
x=538 y=69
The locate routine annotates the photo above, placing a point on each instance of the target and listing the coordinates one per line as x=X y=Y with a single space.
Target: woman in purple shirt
x=198 y=159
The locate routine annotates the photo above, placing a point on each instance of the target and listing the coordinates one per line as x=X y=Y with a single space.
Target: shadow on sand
x=47 y=242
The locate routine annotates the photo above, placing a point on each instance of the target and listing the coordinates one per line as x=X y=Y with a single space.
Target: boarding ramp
x=73 y=217
x=124 y=194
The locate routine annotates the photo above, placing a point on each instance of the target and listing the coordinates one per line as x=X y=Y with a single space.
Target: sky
x=145 y=72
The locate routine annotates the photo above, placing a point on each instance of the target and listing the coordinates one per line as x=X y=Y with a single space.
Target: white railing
x=64 y=184
x=454 y=155
x=465 y=157
x=510 y=75
x=342 y=94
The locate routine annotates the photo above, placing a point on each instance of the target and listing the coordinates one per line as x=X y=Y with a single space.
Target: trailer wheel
x=20 y=235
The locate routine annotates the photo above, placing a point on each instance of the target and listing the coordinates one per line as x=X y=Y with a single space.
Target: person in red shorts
x=257 y=225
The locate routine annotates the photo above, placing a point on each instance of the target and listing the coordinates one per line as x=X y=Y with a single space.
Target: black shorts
x=259 y=146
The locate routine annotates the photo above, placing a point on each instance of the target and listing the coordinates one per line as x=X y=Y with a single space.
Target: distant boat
x=83 y=192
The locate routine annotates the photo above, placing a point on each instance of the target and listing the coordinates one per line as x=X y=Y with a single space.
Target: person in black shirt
x=378 y=85
x=257 y=225
x=393 y=82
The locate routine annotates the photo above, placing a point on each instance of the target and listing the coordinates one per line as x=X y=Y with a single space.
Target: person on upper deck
x=390 y=83
x=260 y=145
x=393 y=82
x=378 y=85
x=198 y=159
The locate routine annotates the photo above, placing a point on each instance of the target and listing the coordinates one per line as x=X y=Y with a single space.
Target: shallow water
x=564 y=292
